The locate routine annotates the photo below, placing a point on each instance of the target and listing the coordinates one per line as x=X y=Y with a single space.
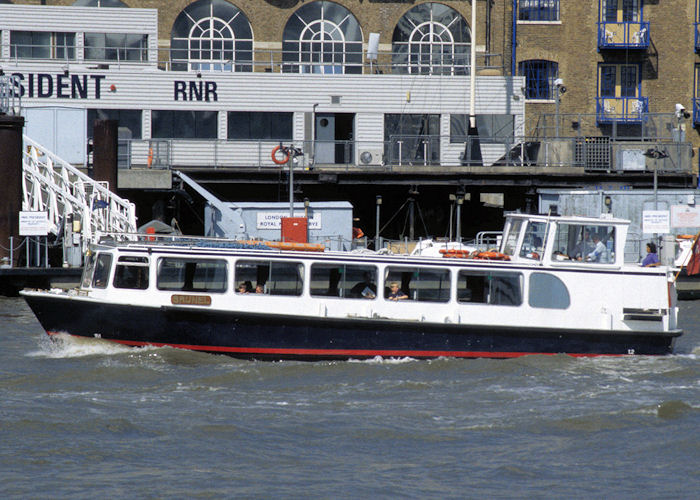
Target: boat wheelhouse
x=550 y=291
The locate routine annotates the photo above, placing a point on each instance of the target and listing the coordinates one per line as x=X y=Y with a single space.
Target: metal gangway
x=75 y=203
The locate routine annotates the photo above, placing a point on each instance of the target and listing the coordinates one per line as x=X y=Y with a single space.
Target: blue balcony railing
x=696 y=110
x=697 y=37
x=621 y=109
x=624 y=35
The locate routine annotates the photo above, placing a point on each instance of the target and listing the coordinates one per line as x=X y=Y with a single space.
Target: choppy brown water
x=82 y=418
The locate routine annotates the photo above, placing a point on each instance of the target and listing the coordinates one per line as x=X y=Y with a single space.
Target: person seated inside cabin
x=365 y=288
x=243 y=287
x=652 y=258
x=395 y=292
x=600 y=251
x=259 y=288
x=583 y=247
x=559 y=255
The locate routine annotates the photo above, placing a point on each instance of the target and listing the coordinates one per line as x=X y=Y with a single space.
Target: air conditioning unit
x=371 y=156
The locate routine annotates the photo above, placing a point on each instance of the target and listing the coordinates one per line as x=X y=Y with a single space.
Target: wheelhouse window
x=539 y=78
x=533 y=240
x=116 y=47
x=103 y=267
x=422 y=284
x=431 y=38
x=131 y=272
x=42 y=45
x=490 y=287
x=192 y=274
x=212 y=35
x=538 y=10
x=547 y=291
x=322 y=37
x=344 y=281
x=584 y=243
x=169 y=124
x=510 y=241
x=271 y=277
x=251 y=125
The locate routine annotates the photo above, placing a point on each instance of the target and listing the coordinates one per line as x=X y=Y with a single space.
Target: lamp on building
x=559 y=89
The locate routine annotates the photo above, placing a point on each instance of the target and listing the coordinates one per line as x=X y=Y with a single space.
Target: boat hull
x=268 y=336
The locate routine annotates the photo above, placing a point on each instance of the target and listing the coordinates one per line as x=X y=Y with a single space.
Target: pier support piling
x=11 y=128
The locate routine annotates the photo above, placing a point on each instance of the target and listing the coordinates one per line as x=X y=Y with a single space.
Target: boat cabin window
x=271 y=277
x=584 y=243
x=422 y=283
x=103 y=265
x=88 y=269
x=533 y=241
x=490 y=287
x=548 y=291
x=192 y=274
x=511 y=239
x=345 y=281
x=131 y=272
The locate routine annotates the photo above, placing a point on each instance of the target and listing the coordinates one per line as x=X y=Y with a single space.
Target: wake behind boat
x=556 y=285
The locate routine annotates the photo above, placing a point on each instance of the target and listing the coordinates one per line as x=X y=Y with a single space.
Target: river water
x=82 y=418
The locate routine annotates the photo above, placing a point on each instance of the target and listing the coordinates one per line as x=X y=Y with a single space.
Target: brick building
x=371 y=83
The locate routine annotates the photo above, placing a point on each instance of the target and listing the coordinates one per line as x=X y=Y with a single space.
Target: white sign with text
x=656 y=221
x=272 y=220
x=33 y=223
x=685 y=216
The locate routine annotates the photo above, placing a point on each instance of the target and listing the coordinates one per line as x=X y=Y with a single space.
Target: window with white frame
x=538 y=10
x=539 y=78
x=212 y=35
x=42 y=45
x=322 y=37
x=116 y=47
x=431 y=38
x=99 y=3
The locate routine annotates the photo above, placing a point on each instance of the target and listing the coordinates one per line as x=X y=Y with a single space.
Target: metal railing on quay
x=591 y=153
x=452 y=63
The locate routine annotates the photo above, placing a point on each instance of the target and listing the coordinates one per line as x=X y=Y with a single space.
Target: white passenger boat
x=549 y=291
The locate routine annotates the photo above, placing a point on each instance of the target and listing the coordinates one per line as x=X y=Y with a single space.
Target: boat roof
x=603 y=220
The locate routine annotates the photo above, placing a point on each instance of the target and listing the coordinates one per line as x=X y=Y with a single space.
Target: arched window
x=322 y=37
x=539 y=78
x=99 y=3
x=431 y=38
x=212 y=35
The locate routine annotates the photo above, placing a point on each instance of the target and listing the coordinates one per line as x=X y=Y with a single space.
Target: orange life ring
x=357 y=233
x=491 y=256
x=284 y=159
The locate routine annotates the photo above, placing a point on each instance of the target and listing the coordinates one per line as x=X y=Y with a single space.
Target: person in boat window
x=600 y=251
x=583 y=247
x=652 y=258
x=395 y=292
x=259 y=288
x=242 y=288
x=365 y=288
